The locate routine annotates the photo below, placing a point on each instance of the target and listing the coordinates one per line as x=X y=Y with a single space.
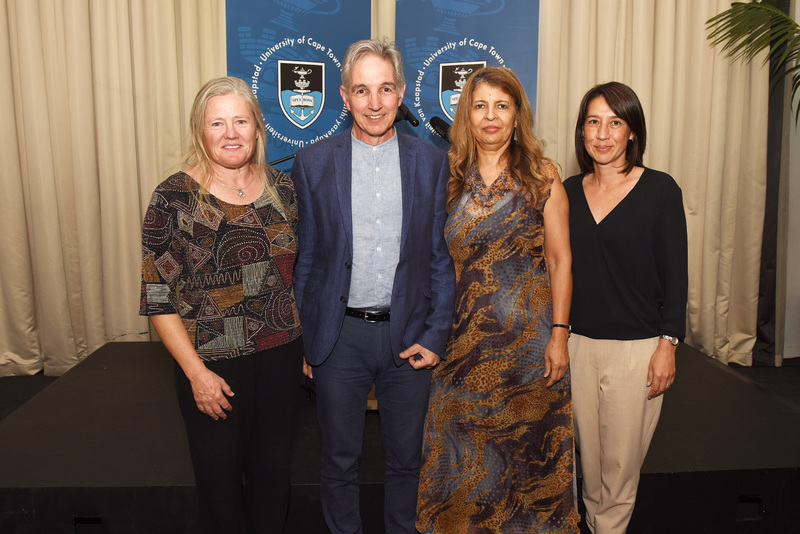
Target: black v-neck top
x=630 y=273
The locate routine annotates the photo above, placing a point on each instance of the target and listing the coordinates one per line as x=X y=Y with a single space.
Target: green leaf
x=746 y=29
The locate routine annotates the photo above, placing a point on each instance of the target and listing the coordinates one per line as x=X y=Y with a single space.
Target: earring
x=515 y=133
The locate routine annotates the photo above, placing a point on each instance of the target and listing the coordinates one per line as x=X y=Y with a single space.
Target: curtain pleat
x=20 y=351
x=97 y=93
x=707 y=127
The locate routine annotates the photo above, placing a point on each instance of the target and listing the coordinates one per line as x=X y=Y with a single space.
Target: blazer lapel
x=343 y=166
x=408 y=181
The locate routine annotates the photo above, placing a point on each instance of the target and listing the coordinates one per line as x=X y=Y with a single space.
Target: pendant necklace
x=239 y=190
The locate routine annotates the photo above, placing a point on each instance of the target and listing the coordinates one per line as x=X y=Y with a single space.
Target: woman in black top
x=628 y=236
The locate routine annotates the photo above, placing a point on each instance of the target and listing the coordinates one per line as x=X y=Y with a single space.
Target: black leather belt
x=374 y=316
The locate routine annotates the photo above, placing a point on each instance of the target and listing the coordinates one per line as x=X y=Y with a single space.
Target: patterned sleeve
x=160 y=271
x=551 y=172
x=288 y=195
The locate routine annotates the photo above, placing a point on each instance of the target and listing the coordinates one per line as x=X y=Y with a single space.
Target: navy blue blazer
x=423 y=292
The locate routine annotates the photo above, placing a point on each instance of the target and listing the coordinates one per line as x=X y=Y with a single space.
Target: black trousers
x=242 y=463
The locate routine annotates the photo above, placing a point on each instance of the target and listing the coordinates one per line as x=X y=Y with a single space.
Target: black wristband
x=568 y=327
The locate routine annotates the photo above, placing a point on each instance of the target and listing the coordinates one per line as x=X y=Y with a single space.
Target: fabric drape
x=707 y=127
x=96 y=97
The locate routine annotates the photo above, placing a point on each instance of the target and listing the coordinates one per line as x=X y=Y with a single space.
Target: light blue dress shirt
x=377 y=204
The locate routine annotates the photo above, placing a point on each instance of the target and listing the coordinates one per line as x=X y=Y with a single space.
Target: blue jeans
x=362 y=357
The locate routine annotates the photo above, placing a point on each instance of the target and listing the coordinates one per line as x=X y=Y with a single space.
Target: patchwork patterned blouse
x=226 y=269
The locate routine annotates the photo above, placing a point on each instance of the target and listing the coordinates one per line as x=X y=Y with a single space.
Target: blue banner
x=444 y=41
x=290 y=52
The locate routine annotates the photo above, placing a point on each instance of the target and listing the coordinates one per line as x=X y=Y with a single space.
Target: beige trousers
x=614 y=423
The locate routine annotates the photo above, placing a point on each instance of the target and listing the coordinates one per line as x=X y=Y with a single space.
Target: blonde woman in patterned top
x=499 y=452
x=218 y=253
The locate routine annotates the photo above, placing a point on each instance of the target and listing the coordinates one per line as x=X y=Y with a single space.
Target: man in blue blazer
x=374 y=285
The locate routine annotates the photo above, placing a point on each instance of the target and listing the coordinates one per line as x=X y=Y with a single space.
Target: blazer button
x=347 y=265
x=343 y=299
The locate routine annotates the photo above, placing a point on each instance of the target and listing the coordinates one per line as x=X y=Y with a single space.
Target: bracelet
x=567 y=326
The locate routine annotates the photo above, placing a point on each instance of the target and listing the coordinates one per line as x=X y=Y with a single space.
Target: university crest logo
x=301 y=91
x=452 y=78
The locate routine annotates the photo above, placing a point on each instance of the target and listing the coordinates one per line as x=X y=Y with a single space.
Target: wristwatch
x=672 y=339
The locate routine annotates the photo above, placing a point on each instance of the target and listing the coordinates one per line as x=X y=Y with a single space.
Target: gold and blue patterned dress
x=499 y=452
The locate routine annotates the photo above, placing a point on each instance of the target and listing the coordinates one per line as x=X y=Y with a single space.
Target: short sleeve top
x=226 y=269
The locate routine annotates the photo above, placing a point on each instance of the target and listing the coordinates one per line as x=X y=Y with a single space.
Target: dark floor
x=16 y=390
x=782 y=382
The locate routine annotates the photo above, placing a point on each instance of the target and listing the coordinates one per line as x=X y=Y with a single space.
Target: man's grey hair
x=380 y=47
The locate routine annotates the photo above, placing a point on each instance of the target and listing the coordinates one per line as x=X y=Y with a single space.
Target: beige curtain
x=383 y=19
x=95 y=95
x=707 y=127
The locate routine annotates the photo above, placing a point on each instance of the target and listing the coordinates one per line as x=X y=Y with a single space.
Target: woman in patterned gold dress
x=499 y=453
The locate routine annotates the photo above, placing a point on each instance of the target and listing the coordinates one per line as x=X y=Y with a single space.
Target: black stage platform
x=103 y=449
